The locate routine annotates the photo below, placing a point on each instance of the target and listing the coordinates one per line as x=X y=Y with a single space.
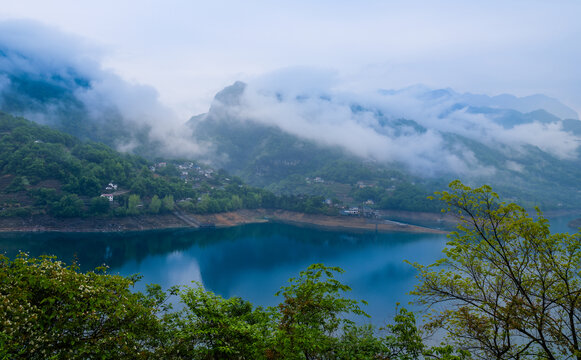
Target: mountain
x=56 y=80
x=525 y=104
x=51 y=95
x=47 y=174
x=393 y=139
x=304 y=135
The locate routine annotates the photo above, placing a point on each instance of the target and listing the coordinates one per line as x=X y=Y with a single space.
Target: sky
x=189 y=50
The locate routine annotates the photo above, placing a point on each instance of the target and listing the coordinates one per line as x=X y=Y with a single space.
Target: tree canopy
x=507 y=288
x=50 y=310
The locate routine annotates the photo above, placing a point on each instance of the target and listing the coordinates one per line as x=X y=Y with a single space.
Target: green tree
x=52 y=311
x=211 y=327
x=133 y=204
x=167 y=203
x=18 y=184
x=68 y=206
x=507 y=288
x=236 y=202
x=89 y=185
x=155 y=204
x=100 y=205
x=313 y=312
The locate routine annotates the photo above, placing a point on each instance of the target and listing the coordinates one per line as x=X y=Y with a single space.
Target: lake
x=251 y=261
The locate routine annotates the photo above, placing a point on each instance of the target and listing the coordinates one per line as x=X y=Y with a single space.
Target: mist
x=374 y=124
x=415 y=126
x=68 y=80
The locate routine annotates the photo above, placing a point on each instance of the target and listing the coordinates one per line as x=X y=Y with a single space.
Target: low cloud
x=427 y=130
x=71 y=69
x=372 y=126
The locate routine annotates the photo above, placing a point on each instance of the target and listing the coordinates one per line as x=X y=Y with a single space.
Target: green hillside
x=45 y=171
x=265 y=155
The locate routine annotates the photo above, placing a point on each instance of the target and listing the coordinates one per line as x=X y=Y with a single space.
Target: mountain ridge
x=238 y=138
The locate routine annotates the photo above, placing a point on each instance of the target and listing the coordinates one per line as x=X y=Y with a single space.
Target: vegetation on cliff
x=509 y=290
x=45 y=171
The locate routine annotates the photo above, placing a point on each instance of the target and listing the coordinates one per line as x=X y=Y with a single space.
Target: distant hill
x=532 y=156
x=47 y=172
x=66 y=88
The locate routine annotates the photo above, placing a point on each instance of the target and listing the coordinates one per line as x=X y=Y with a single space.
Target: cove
x=251 y=261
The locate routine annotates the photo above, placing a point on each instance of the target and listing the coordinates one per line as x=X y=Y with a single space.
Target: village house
x=354 y=211
x=108 y=196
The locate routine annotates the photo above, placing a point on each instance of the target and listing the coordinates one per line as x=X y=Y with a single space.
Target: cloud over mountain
x=57 y=79
x=430 y=131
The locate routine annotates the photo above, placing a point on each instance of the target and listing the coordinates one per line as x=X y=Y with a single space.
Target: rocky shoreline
x=44 y=223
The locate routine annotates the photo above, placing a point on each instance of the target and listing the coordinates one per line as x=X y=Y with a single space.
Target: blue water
x=252 y=261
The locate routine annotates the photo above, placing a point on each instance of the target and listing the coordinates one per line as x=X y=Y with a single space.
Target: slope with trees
x=49 y=310
x=44 y=171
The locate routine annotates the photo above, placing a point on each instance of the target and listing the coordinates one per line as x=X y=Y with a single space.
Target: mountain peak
x=230 y=95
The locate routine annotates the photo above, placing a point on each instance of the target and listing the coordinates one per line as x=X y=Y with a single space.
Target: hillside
x=46 y=172
x=386 y=149
x=377 y=151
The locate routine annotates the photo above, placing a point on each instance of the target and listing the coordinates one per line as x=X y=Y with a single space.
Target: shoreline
x=179 y=220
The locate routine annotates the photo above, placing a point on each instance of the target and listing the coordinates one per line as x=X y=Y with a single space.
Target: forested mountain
x=387 y=149
x=68 y=90
x=45 y=171
x=415 y=139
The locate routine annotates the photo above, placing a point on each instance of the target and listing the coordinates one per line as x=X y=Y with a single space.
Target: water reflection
x=251 y=261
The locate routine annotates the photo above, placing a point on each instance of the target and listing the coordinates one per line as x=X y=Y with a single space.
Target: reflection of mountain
x=278 y=139
x=93 y=250
x=252 y=261
x=256 y=247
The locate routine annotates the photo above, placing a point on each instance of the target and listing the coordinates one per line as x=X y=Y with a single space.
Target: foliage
x=312 y=313
x=404 y=196
x=99 y=205
x=48 y=310
x=68 y=206
x=508 y=288
x=133 y=204
x=155 y=204
x=167 y=204
x=211 y=327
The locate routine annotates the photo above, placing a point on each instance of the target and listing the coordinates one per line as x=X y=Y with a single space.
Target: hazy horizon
x=188 y=51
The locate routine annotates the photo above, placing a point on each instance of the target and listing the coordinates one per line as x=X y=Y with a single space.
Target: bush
x=68 y=206
x=49 y=310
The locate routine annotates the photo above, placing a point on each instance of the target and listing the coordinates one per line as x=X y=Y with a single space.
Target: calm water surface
x=251 y=261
